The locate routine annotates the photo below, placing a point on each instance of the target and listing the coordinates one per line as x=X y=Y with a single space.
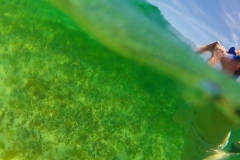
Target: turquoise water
x=85 y=81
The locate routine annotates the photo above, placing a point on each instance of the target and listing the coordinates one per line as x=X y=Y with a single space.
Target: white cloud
x=197 y=21
x=228 y=18
x=179 y=5
x=231 y=18
x=231 y=13
x=194 y=8
x=235 y=38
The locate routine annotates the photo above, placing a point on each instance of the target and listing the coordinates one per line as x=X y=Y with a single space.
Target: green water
x=82 y=90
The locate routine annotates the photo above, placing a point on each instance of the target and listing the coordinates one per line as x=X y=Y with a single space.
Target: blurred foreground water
x=101 y=87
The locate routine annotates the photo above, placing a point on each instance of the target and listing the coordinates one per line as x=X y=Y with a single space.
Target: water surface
x=78 y=86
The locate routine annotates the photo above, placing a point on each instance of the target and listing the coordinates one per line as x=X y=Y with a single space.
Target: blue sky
x=204 y=21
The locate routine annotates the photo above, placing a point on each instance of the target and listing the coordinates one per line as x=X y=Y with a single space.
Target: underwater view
x=96 y=80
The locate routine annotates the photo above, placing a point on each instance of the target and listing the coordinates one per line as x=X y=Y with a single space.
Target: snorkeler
x=230 y=60
x=207 y=128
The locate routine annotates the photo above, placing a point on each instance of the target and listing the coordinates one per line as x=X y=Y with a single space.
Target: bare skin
x=210 y=122
x=217 y=52
x=228 y=65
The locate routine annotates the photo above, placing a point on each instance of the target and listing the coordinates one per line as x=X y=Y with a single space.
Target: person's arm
x=207 y=48
x=217 y=54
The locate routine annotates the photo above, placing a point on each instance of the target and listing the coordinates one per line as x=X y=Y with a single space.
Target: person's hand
x=219 y=51
x=237 y=51
x=217 y=54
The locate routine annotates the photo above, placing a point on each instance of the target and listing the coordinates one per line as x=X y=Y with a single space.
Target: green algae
x=66 y=95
